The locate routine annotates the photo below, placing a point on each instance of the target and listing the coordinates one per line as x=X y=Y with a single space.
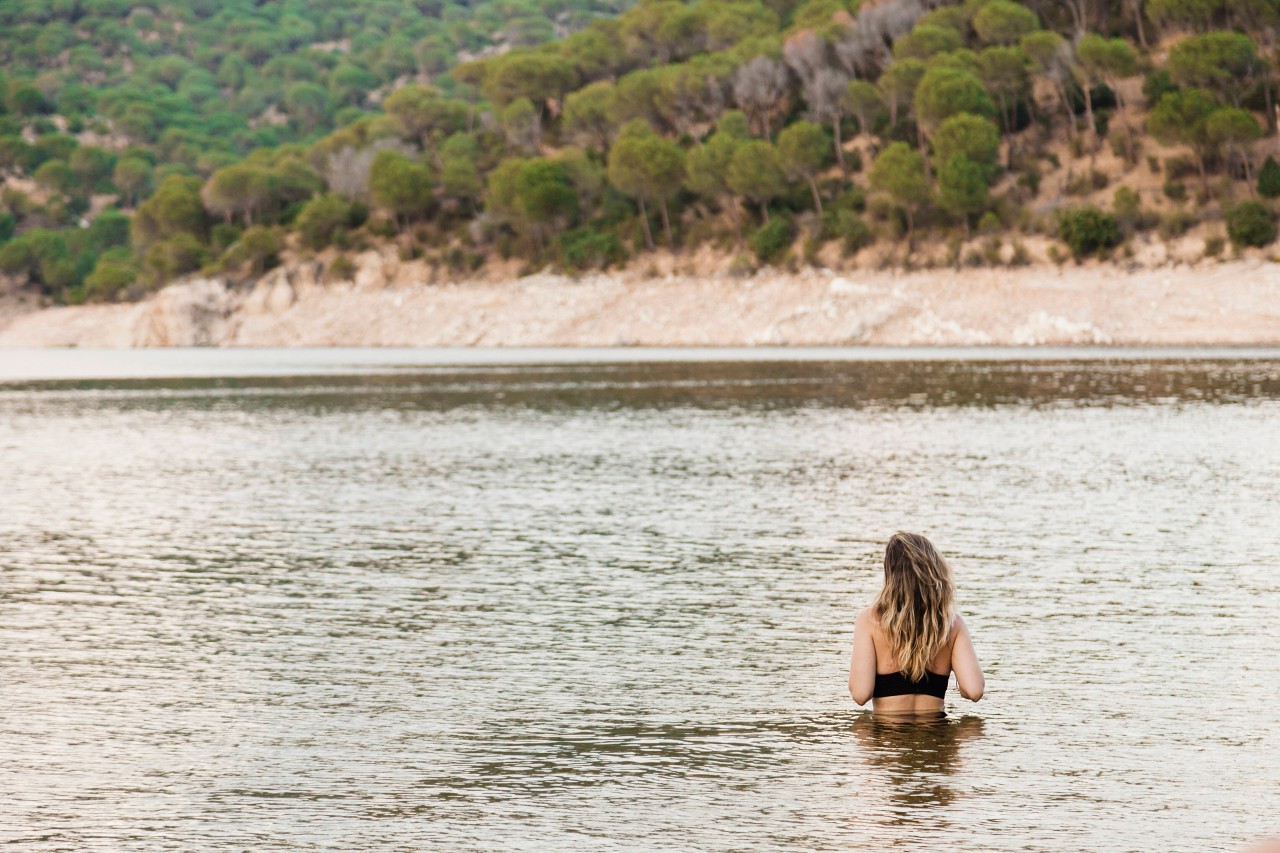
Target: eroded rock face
x=273 y=294
x=371 y=271
x=1227 y=303
x=189 y=314
x=377 y=269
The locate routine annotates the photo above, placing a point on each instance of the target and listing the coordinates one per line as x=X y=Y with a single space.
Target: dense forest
x=142 y=143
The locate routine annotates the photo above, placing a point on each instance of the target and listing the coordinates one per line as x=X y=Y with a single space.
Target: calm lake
x=387 y=601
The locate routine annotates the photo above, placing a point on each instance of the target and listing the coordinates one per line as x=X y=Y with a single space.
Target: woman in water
x=907 y=644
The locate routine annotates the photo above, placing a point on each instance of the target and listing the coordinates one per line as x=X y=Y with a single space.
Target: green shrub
x=111 y=276
x=881 y=208
x=1020 y=256
x=1030 y=179
x=1085 y=183
x=223 y=235
x=1249 y=223
x=17 y=154
x=1269 y=178
x=1179 y=167
x=830 y=223
x=854 y=198
x=991 y=251
x=1214 y=245
x=771 y=241
x=55 y=175
x=180 y=254
x=109 y=228
x=1175 y=223
x=812 y=246
x=342 y=269
x=1102 y=119
x=459 y=260
x=587 y=249
x=382 y=227
x=741 y=265
x=58 y=274
x=1126 y=204
x=258 y=248
x=855 y=234
x=16 y=258
x=1157 y=84
x=1087 y=230
x=1175 y=191
x=840 y=213
x=43 y=257
x=77 y=205
x=326 y=216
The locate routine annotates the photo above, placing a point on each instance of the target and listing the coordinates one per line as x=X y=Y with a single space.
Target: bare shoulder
x=957 y=628
x=867 y=620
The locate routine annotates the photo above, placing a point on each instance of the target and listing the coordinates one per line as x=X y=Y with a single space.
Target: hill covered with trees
x=777 y=132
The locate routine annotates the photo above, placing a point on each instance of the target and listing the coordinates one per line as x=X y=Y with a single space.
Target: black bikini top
x=897 y=684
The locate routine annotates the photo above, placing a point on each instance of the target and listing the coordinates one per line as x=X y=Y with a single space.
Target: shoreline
x=74 y=364
x=387 y=305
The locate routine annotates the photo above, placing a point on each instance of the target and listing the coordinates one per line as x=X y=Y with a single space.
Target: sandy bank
x=1236 y=302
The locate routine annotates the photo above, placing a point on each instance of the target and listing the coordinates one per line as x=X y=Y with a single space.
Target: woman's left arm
x=862 y=667
x=964 y=662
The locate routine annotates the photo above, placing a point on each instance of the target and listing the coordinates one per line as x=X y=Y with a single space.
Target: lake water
x=379 y=602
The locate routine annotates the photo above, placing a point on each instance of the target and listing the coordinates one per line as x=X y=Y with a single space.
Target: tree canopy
x=230 y=136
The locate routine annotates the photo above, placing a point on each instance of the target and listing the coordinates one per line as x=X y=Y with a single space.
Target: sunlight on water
x=604 y=607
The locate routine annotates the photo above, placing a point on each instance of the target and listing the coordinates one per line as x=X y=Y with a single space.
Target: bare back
x=872 y=656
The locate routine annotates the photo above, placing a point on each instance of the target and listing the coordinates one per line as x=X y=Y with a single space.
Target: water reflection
x=917 y=756
x=710 y=385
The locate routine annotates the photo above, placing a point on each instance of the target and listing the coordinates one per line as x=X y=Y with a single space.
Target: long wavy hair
x=915 y=605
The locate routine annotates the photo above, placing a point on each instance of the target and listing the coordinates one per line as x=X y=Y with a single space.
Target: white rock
x=1042 y=327
x=930 y=328
x=280 y=297
x=305 y=277
x=843 y=286
x=255 y=303
x=187 y=314
x=370 y=271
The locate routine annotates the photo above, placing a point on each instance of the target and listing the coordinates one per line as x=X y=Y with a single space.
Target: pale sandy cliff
x=1234 y=302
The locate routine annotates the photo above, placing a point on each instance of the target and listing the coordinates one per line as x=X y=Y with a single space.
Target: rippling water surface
x=609 y=607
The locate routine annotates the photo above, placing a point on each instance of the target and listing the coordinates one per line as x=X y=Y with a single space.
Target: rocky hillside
x=841 y=134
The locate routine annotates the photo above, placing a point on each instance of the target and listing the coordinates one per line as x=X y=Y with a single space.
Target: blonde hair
x=915 y=605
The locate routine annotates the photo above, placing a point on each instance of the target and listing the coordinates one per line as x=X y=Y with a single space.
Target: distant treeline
x=748 y=124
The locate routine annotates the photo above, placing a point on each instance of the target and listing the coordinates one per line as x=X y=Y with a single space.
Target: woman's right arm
x=862 y=667
x=964 y=663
